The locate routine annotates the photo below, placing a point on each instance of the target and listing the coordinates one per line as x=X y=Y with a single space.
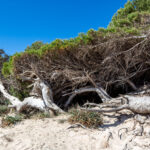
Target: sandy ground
x=52 y=134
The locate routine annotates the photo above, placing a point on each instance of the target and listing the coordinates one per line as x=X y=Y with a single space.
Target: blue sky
x=23 y=22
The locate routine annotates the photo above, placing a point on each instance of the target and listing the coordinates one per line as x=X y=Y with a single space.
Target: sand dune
x=52 y=134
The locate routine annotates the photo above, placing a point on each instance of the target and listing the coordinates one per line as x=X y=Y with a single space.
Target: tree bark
x=35 y=102
x=101 y=93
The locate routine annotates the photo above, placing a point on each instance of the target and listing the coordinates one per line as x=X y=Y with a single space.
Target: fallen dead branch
x=99 y=91
x=42 y=103
x=136 y=104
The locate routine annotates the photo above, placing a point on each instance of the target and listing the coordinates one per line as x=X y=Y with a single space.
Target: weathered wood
x=137 y=104
x=99 y=91
x=13 y=100
x=103 y=110
x=32 y=102
x=48 y=98
x=21 y=105
x=35 y=101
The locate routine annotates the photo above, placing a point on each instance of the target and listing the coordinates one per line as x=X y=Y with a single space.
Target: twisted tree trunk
x=42 y=104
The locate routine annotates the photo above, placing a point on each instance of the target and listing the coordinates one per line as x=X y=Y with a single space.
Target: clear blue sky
x=23 y=22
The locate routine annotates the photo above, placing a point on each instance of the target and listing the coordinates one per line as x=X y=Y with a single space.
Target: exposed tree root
x=120 y=134
x=77 y=125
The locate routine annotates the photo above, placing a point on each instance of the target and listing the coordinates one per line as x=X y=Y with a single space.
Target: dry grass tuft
x=88 y=119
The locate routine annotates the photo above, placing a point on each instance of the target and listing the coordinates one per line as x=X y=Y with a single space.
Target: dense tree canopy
x=36 y=45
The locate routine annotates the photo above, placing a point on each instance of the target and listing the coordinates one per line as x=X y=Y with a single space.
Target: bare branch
x=103 y=94
x=132 y=84
x=85 y=90
x=137 y=104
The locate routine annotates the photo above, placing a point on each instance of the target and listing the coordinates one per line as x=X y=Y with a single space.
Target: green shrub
x=8 y=67
x=21 y=94
x=102 y=30
x=105 y=32
x=130 y=14
x=123 y=23
x=3 y=109
x=91 y=33
x=134 y=17
x=132 y=31
x=128 y=8
x=142 y=5
x=36 y=46
x=88 y=119
x=10 y=120
x=123 y=12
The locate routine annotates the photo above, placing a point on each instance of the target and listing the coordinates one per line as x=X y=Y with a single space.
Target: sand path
x=52 y=134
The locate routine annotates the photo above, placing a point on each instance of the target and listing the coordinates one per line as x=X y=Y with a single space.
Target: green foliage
x=105 y=32
x=134 y=17
x=125 y=22
x=35 y=46
x=123 y=12
x=21 y=94
x=102 y=31
x=122 y=23
x=14 y=92
x=130 y=16
x=3 y=58
x=57 y=44
x=4 y=101
x=3 y=109
x=39 y=49
x=128 y=8
x=132 y=31
x=10 y=120
x=7 y=68
x=142 y=5
x=88 y=119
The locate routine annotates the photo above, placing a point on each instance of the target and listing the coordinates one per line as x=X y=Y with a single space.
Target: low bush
x=134 y=17
x=10 y=120
x=3 y=109
x=88 y=119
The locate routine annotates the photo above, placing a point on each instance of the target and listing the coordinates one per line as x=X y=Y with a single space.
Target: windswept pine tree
x=96 y=65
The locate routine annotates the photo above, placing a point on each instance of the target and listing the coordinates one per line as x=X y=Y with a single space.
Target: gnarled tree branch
x=136 y=104
x=44 y=103
x=99 y=91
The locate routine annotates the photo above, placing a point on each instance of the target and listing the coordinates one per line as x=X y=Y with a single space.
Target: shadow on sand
x=120 y=119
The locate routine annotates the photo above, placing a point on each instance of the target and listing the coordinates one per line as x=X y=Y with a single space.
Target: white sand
x=50 y=134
